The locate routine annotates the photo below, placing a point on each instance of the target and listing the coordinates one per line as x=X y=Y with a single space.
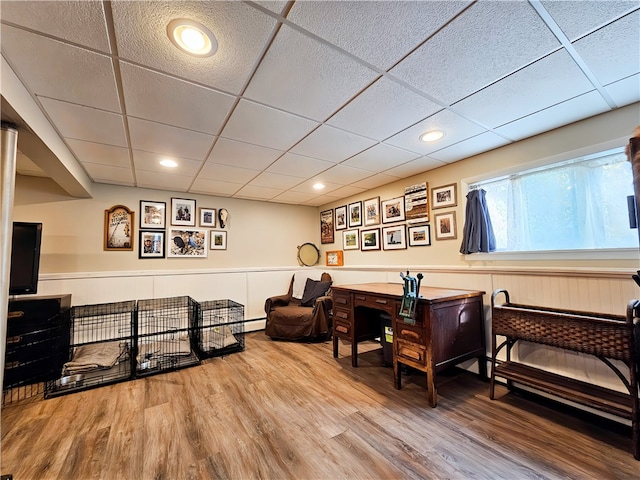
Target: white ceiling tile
x=162 y=181
x=151 y=162
x=583 y=106
x=625 y=92
x=240 y=30
x=111 y=174
x=94 y=153
x=376 y=180
x=56 y=70
x=481 y=143
x=347 y=191
x=602 y=54
x=343 y=175
x=414 y=167
x=489 y=40
x=320 y=200
x=267 y=179
x=306 y=77
x=332 y=144
x=215 y=187
x=383 y=109
x=299 y=165
x=456 y=129
x=163 y=99
x=593 y=14
x=159 y=138
x=79 y=22
x=274 y=6
x=241 y=154
x=258 y=193
x=380 y=33
x=536 y=87
x=227 y=173
x=294 y=197
x=84 y=123
x=260 y=125
x=380 y=157
x=307 y=186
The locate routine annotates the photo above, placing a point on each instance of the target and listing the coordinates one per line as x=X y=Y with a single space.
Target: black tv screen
x=25 y=258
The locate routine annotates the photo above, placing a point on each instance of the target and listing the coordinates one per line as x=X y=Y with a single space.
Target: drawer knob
x=409 y=333
x=342 y=329
x=381 y=301
x=342 y=315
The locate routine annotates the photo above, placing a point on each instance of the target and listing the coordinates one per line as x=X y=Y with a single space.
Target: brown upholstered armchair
x=304 y=318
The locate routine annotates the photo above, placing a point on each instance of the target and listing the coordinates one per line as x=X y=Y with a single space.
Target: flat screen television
x=25 y=258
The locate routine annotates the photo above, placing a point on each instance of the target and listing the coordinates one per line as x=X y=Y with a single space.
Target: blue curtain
x=478 y=233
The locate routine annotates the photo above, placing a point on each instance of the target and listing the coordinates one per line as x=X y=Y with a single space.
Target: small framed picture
x=370 y=239
x=335 y=258
x=445 y=196
x=350 y=240
x=151 y=244
x=394 y=238
x=393 y=210
x=372 y=211
x=445 y=224
x=152 y=214
x=187 y=243
x=207 y=217
x=326 y=226
x=341 y=217
x=420 y=236
x=355 y=214
x=183 y=212
x=218 y=240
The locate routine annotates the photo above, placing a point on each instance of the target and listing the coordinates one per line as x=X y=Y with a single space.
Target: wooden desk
x=448 y=330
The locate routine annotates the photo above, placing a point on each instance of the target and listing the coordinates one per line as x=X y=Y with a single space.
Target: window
x=573 y=205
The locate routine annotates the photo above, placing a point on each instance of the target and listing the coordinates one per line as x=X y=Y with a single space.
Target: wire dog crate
x=100 y=348
x=165 y=335
x=220 y=328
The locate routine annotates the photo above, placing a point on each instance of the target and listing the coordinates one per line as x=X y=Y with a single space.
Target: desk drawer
x=341 y=299
x=342 y=315
x=412 y=352
x=342 y=329
x=374 y=301
x=410 y=333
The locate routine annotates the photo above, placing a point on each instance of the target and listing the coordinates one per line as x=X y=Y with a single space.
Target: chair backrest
x=299 y=280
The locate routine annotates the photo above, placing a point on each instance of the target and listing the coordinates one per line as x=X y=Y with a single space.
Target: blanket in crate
x=87 y=358
x=164 y=347
x=217 y=337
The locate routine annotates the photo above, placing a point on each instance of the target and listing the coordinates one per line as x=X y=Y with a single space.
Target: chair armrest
x=276 y=301
x=325 y=302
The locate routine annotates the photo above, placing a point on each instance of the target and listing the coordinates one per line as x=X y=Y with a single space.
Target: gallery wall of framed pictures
x=405 y=221
x=179 y=231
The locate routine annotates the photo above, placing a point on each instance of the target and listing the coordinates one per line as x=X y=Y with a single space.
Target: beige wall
x=266 y=235
x=259 y=234
x=598 y=133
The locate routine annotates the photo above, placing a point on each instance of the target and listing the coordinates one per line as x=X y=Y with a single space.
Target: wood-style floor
x=284 y=410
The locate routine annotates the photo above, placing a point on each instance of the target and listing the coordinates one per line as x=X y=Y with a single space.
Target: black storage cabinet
x=37 y=342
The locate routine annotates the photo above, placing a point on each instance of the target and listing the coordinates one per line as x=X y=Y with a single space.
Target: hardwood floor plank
x=287 y=410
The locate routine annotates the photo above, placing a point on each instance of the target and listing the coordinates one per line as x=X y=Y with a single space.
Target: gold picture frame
x=118 y=228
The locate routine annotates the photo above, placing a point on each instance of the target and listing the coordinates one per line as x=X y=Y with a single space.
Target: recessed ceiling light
x=432 y=136
x=318 y=186
x=192 y=37
x=169 y=163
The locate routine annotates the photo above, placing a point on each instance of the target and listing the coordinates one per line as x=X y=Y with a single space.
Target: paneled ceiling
x=312 y=91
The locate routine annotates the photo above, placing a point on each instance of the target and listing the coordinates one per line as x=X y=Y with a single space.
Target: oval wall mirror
x=308 y=254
